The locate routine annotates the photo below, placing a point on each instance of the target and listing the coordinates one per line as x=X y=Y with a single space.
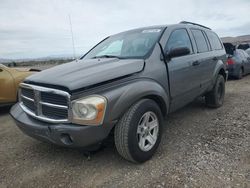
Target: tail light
x=230 y=61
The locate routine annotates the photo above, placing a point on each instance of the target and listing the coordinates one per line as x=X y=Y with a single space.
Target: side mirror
x=177 y=52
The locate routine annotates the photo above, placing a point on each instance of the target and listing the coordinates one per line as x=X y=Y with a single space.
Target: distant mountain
x=237 y=40
x=4 y=60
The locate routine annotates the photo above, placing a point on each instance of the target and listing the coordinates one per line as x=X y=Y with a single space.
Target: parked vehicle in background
x=126 y=83
x=230 y=48
x=243 y=46
x=248 y=51
x=10 y=78
x=238 y=63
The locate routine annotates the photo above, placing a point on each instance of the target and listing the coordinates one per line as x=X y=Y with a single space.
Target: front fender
x=122 y=97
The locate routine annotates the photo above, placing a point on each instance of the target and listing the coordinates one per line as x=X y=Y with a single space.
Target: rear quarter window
x=214 y=41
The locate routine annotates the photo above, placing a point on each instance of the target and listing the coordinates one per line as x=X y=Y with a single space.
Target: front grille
x=46 y=104
x=29 y=104
x=54 y=113
x=27 y=92
x=53 y=98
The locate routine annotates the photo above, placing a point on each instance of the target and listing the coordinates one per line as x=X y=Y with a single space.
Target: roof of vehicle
x=181 y=24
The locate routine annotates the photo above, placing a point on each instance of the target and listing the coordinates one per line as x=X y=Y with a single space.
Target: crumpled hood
x=83 y=73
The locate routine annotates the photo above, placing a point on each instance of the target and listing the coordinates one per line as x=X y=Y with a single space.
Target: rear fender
x=220 y=66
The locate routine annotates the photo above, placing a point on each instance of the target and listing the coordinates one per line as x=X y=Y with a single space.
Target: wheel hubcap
x=147 y=131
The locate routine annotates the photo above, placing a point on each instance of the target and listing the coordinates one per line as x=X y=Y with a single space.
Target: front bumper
x=69 y=135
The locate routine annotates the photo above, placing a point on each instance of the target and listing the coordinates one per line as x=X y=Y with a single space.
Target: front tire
x=215 y=98
x=138 y=133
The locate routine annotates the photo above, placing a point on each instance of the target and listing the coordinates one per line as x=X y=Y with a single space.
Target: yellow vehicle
x=10 y=79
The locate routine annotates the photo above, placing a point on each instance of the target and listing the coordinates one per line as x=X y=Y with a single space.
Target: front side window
x=130 y=44
x=200 y=40
x=179 y=38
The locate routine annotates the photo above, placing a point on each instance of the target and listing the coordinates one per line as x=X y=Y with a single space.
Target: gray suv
x=124 y=85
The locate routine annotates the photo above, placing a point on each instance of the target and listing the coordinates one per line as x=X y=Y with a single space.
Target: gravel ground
x=201 y=147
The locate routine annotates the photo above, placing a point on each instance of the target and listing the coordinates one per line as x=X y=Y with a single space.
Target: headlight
x=89 y=110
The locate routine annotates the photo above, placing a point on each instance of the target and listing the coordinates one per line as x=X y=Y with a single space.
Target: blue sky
x=40 y=28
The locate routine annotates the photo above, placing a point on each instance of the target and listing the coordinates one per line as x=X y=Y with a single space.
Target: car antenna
x=72 y=38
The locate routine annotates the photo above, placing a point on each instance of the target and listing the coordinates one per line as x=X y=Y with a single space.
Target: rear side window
x=200 y=40
x=179 y=38
x=214 y=40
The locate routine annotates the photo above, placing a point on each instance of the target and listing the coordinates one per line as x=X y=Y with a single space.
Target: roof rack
x=185 y=22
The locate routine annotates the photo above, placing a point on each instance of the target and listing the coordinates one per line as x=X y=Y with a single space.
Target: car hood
x=84 y=73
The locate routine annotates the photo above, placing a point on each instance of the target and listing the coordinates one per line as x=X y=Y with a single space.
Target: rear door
x=217 y=52
x=205 y=66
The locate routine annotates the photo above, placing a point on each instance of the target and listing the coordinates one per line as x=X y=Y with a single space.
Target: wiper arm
x=106 y=56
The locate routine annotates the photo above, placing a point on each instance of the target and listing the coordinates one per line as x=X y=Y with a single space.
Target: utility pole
x=72 y=38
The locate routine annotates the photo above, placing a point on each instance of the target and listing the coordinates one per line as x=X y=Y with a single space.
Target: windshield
x=130 y=44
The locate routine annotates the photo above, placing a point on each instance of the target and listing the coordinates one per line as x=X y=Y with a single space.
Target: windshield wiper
x=106 y=56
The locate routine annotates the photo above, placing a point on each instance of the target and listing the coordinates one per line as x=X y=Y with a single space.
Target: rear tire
x=240 y=73
x=215 y=98
x=138 y=132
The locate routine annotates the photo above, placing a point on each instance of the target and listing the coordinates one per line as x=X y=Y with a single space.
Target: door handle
x=195 y=63
x=215 y=59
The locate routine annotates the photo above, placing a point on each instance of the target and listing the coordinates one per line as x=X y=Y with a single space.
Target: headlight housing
x=89 y=110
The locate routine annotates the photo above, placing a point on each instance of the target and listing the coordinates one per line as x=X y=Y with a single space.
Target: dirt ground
x=201 y=147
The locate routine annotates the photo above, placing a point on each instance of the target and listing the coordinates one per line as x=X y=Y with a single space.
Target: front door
x=184 y=80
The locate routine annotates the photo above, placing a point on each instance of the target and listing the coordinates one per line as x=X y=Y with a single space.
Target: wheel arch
x=122 y=98
x=220 y=68
x=159 y=101
x=223 y=73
